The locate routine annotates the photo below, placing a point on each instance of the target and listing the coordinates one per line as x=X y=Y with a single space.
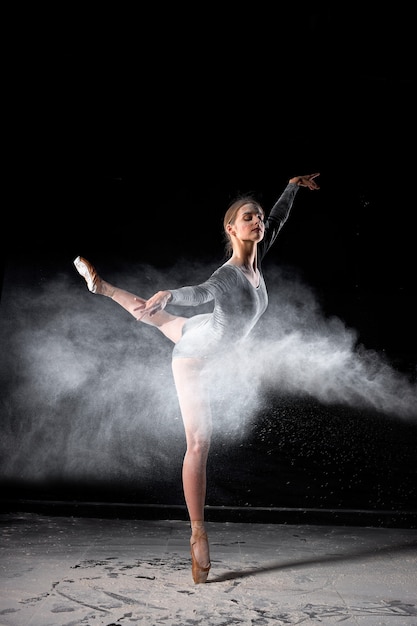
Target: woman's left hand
x=306 y=181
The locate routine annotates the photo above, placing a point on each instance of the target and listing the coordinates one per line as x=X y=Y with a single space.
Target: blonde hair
x=230 y=216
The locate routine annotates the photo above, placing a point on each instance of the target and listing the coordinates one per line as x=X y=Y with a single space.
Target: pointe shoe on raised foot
x=88 y=272
x=199 y=573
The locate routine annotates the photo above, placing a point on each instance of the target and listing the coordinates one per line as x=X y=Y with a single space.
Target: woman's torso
x=238 y=305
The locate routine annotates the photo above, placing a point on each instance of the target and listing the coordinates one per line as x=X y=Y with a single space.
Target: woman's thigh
x=193 y=396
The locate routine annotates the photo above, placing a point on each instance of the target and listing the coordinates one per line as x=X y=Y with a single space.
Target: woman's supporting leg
x=196 y=414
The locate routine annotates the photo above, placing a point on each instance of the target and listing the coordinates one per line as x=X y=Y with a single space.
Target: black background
x=132 y=130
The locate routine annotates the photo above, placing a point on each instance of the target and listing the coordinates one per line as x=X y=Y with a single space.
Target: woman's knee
x=199 y=445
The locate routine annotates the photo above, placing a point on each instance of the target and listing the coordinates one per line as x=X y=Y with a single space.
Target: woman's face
x=248 y=224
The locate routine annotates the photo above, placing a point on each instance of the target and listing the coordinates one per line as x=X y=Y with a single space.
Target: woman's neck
x=247 y=265
x=246 y=261
x=244 y=258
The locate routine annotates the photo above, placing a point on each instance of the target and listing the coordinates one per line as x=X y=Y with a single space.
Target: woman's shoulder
x=228 y=268
x=226 y=273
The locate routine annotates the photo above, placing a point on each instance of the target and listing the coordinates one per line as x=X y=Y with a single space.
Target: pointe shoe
x=88 y=272
x=199 y=573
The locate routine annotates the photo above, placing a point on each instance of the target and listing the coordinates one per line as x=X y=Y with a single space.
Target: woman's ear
x=230 y=229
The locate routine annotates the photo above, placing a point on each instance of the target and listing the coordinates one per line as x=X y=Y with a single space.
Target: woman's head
x=232 y=213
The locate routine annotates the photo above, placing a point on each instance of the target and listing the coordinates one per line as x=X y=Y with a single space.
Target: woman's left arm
x=282 y=207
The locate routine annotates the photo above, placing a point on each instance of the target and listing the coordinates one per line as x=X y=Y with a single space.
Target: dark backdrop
x=130 y=135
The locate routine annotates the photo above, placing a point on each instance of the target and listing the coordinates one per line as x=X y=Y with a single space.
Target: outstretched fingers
x=308 y=181
x=149 y=307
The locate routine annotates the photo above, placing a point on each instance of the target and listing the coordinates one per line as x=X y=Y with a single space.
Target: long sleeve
x=277 y=218
x=220 y=283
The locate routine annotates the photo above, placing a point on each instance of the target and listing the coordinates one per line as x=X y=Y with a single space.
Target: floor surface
x=77 y=571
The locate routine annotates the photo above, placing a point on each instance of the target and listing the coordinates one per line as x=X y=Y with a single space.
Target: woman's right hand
x=155 y=303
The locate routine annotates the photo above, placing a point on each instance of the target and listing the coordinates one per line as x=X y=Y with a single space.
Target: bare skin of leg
x=169 y=325
x=195 y=410
x=196 y=414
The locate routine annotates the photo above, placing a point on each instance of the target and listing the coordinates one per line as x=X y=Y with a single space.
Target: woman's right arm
x=221 y=281
x=184 y=296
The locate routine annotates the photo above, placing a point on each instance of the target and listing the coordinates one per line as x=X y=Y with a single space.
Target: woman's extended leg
x=196 y=414
x=170 y=325
x=195 y=410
